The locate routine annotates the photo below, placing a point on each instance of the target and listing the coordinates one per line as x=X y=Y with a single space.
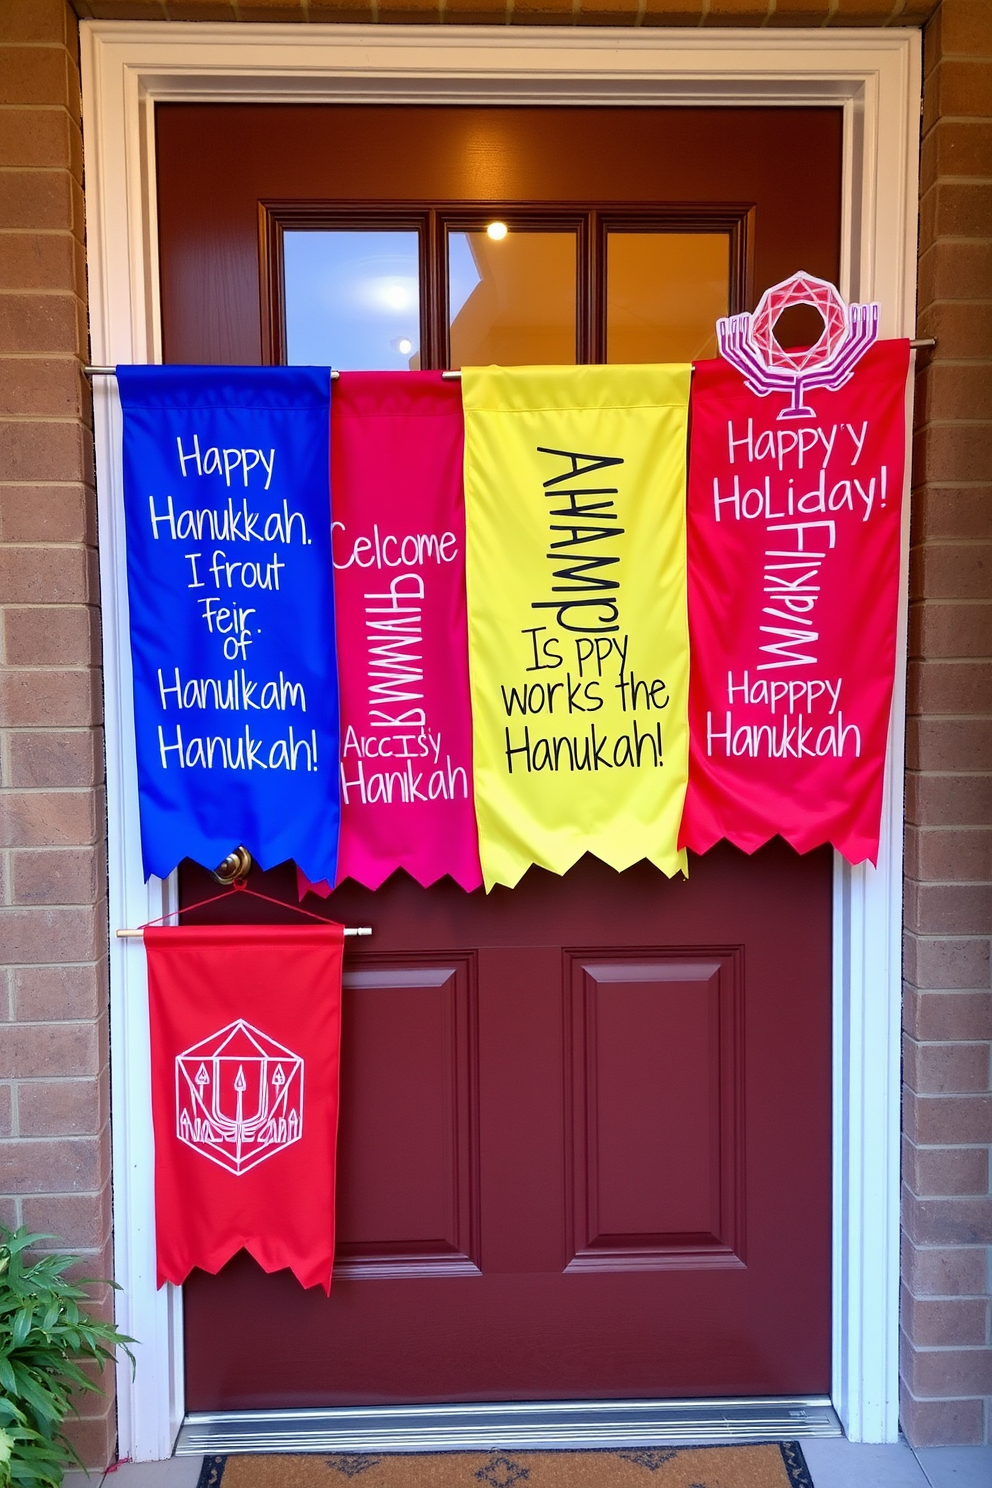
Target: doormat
x=765 y=1465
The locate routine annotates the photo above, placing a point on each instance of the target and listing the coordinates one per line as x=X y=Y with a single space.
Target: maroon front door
x=585 y=1143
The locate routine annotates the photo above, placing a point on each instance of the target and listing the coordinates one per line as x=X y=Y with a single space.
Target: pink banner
x=399 y=580
x=793 y=548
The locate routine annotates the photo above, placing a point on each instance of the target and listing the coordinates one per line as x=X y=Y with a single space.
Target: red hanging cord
x=238 y=887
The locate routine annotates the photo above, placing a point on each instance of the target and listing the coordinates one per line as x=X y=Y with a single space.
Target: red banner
x=245 y=1044
x=399 y=578
x=793 y=550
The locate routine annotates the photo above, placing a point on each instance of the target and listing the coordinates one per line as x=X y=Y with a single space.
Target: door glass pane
x=664 y=292
x=352 y=299
x=512 y=300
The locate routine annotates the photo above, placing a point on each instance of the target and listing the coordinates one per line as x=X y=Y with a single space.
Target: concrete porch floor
x=833 y=1463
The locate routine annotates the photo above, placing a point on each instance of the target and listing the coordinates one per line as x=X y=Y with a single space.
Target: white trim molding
x=874 y=77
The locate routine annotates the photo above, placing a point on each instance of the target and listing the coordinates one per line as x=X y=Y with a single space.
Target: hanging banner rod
x=137 y=934
x=921 y=344
x=112 y=371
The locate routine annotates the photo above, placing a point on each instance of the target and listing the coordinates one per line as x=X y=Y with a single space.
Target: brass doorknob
x=235 y=867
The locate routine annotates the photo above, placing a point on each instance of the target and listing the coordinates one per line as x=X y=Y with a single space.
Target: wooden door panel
x=521 y=1109
x=657 y=1117
x=408 y=1169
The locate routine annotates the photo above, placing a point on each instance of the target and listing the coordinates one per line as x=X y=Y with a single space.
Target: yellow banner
x=578 y=642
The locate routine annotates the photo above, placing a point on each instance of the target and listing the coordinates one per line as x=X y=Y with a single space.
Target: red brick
x=56 y=757
x=948 y=1015
x=46 y=450
x=950 y=687
x=58 y=875
x=952 y=512
x=6 y=1111
x=942 y=1423
x=47 y=387
x=44 y=935
x=41 y=1051
x=957 y=88
x=39 y=261
x=95 y=1439
x=942 y=1120
x=941 y=1172
x=54 y=1108
x=10 y=1213
x=952 y=452
x=948 y=1372
x=459 y=12
x=955 y=270
x=865 y=12
x=950 y=963
x=551 y=10
x=801 y=13
x=946 y=1069
x=910 y=12
x=223 y=10
x=35 y=75
x=949 y=629
x=64 y=635
x=50 y=994
x=48 y=575
x=949 y=909
x=949 y=800
x=43 y=514
x=965 y=28
x=51 y=819
x=40 y=137
x=283 y=10
x=945 y=854
x=65 y=699
x=78 y=1221
x=43 y=200
x=944 y=1322
x=42 y=324
x=34 y=20
x=963 y=209
x=953 y=571
x=956 y=147
x=962 y=330
x=959 y=390
x=67 y=1164
x=949 y=744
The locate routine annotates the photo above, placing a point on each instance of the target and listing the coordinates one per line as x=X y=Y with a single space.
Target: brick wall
x=524 y=12
x=947 y=1313
x=53 y=1120
x=54 y=1129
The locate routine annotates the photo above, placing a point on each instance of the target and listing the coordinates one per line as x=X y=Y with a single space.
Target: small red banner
x=245 y=1045
x=793 y=551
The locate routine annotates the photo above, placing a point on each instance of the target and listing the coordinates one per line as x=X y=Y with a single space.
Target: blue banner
x=227 y=505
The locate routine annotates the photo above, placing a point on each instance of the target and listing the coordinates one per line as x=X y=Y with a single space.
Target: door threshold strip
x=540 y=1425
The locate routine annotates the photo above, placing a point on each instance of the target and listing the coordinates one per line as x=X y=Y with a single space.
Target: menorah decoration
x=748 y=342
x=239 y=1097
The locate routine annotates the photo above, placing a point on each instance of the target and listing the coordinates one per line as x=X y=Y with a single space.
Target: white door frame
x=874 y=76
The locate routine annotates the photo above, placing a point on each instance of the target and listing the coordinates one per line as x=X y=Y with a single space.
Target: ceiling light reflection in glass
x=512 y=300
x=352 y=299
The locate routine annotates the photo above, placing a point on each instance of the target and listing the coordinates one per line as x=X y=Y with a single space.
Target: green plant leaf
x=22 y=1326
x=47 y=1336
